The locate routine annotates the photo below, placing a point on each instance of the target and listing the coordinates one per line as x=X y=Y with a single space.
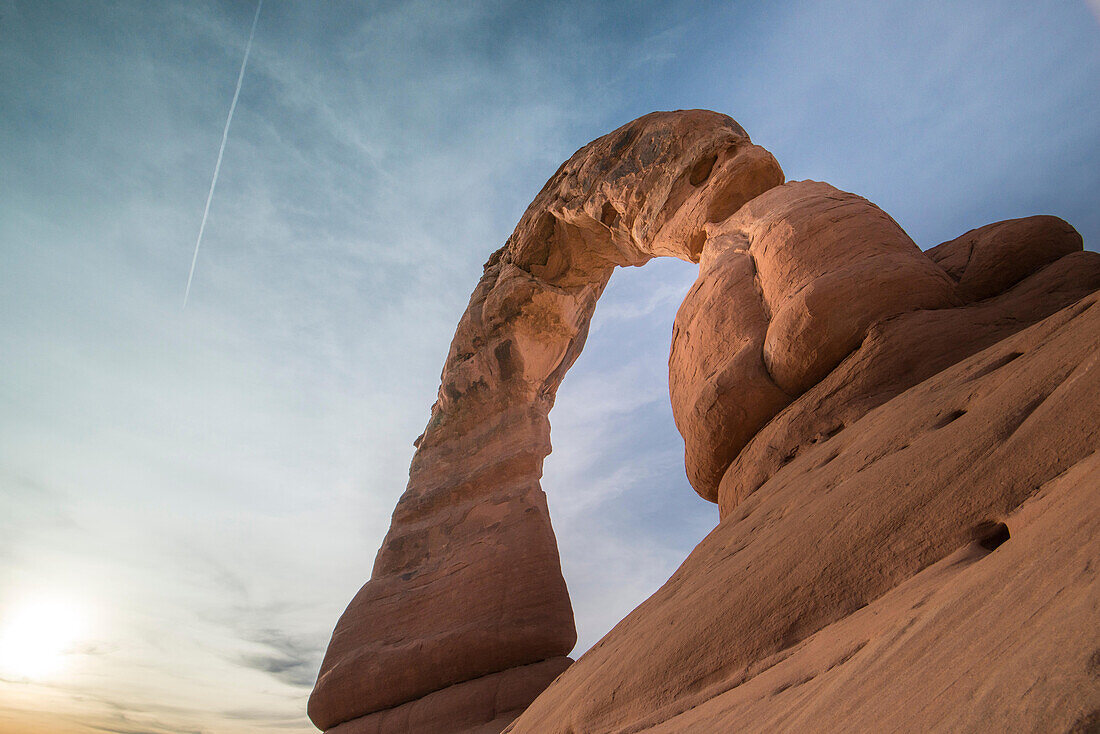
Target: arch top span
x=639 y=192
x=467 y=586
x=645 y=190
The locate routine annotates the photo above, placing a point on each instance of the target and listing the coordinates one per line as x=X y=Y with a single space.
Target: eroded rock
x=897 y=354
x=991 y=259
x=463 y=707
x=467 y=582
x=851 y=591
x=889 y=434
x=788 y=287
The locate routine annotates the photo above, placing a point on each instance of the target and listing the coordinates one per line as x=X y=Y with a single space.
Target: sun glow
x=36 y=636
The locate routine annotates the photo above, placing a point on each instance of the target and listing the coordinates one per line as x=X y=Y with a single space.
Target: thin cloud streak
x=221 y=150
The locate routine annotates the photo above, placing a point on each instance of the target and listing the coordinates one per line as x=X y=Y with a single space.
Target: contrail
x=221 y=150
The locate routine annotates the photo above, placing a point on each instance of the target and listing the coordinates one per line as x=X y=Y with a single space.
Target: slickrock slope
x=902 y=446
x=467 y=586
x=852 y=592
x=846 y=587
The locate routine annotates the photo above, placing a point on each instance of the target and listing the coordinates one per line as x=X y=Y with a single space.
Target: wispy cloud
x=293 y=660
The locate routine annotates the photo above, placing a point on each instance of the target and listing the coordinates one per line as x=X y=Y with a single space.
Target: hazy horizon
x=205 y=489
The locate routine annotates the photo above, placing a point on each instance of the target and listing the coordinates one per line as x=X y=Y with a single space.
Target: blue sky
x=208 y=487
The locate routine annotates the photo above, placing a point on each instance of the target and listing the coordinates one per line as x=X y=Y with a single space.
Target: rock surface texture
x=902 y=445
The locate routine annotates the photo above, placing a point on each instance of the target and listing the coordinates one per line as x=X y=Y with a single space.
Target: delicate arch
x=467 y=583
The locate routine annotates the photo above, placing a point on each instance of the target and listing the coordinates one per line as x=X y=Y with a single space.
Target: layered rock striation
x=902 y=446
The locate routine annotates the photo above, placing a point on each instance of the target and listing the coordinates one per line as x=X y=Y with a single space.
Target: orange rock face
x=902 y=446
x=485 y=704
x=988 y=260
x=795 y=279
x=927 y=563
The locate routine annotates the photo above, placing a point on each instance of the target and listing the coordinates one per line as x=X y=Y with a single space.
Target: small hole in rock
x=609 y=215
x=1088 y=724
x=997 y=364
x=1093 y=664
x=696 y=243
x=950 y=418
x=700 y=172
x=991 y=535
x=829 y=459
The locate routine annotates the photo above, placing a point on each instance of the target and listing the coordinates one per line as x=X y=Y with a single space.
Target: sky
x=190 y=497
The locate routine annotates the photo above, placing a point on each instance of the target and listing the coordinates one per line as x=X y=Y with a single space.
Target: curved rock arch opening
x=811 y=308
x=468 y=584
x=623 y=512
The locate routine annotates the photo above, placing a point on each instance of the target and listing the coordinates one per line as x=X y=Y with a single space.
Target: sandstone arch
x=812 y=308
x=467 y=586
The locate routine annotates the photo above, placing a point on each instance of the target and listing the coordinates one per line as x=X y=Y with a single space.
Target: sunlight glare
x=35 y=637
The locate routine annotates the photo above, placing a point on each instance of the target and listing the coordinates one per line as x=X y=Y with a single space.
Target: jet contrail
x=221 y=150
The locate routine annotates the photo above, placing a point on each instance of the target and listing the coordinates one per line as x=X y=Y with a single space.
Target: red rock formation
x=902 y=446
x=855 y=590
x=845 y=587
x=988 y=260
x=799 y=274
x=467 y=583
x=480 y=706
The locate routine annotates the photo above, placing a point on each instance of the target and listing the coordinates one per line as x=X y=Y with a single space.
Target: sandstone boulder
x=787 y=288
x=721 y=390
x=989 y=260
x=829 y=265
